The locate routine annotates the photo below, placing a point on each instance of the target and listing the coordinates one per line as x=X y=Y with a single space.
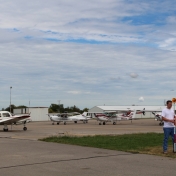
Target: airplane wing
x=13 y=119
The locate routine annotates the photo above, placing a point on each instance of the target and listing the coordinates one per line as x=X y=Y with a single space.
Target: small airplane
x=69 y=117
x=114 y=116
x=158 y=117
x=6 y=118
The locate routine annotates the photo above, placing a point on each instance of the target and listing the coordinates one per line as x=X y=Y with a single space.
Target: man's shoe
x=165 y=152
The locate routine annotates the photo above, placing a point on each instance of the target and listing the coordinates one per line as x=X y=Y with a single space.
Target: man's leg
x=166 y=137
x=172 y=136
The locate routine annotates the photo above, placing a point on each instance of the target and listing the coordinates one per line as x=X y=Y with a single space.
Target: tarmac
x=22 y=154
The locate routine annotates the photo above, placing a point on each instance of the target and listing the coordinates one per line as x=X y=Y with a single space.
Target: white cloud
x=133 y=75
x=44 y=71
x=74 y=92
x=141 y=99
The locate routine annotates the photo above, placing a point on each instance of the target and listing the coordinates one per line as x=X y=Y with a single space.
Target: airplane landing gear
x=104 y=123
x=161 y=123
x=25 y=128
x=100 y=123
x=75 y=121
x=53 y=123
x=5 y=128
x=114 y=123
x=64 y=123
x=57 y=123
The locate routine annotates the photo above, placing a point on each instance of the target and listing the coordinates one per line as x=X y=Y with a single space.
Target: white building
x=101 y=109
x=36 y=113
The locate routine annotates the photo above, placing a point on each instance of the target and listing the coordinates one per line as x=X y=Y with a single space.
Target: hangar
x=37 y=113
x=101 y=109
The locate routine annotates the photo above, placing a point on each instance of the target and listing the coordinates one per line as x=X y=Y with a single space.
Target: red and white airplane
x=6 y=118
x=114 y=116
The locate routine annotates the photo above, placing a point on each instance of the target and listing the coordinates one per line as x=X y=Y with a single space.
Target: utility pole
x=10 y=98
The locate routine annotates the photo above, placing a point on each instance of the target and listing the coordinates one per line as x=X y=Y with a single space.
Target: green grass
x=150 y=143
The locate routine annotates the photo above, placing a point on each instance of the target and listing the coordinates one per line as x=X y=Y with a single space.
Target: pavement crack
x=65 y=160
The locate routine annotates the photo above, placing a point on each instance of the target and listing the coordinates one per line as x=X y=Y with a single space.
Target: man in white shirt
x=168 y=116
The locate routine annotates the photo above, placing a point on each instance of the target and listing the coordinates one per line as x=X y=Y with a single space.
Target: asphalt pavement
x=22 y=154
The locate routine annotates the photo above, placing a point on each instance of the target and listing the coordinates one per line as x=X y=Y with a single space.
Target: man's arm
x=168 y=120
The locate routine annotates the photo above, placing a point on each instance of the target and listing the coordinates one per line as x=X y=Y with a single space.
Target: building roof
x=115 y=108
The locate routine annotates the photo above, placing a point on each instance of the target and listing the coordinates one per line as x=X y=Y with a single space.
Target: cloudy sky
x=87 y=53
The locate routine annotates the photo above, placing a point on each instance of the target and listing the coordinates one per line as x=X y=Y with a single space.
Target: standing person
x=168 y=116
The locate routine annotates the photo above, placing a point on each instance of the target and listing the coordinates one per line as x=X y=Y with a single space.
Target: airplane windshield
x=6 y=114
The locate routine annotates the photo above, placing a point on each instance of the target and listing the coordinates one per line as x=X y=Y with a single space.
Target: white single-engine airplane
x=69 y=117
x=114 y=116
x=6 y=118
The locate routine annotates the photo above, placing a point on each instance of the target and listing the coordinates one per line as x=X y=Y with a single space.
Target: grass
x=149 y=143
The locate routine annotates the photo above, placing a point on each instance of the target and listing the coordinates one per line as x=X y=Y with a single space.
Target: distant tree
x=21 y=106
x=12 y=107
x=50 y=110
x=54 y=108
x=85 y=110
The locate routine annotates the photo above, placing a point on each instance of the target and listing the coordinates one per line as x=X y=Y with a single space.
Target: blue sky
x=87 y=53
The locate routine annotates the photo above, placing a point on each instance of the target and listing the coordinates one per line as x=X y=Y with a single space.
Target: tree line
x=54 y=108
x=60 y=108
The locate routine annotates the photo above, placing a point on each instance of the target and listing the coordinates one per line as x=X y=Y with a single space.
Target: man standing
x=168 y=116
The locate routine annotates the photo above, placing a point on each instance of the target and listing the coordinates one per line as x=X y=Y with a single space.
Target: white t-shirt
x=169 y=114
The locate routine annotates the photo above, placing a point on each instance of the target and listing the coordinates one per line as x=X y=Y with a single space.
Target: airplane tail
x=86 y=116
x=95 y=115
x=50 y=117
x=84 y=113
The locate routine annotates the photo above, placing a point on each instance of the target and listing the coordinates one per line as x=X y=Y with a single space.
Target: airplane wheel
x=114 y=123
x=53 y=123
x=64 y=123
x=25 y=128
x=5 y=129
x=161 y=124
x=104 y=123
x=99 y=123
x=57 y=123
x=84 y=122
x=75 y=121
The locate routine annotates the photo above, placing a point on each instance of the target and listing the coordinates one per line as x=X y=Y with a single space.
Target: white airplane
x=114 y=116
x=6 y=118
x=69 y=117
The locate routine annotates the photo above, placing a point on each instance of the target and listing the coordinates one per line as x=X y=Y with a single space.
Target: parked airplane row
x=103 y=118
x=6 y=118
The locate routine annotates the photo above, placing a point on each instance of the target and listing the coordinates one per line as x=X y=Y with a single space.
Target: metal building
x=101 y=109
x=37 y=113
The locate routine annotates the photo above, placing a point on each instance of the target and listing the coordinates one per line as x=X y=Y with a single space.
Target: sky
x=87 y=53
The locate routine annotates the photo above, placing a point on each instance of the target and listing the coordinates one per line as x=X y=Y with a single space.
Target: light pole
x=10 y=98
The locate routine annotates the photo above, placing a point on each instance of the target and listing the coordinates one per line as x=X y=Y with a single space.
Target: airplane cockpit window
x=5 y=114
